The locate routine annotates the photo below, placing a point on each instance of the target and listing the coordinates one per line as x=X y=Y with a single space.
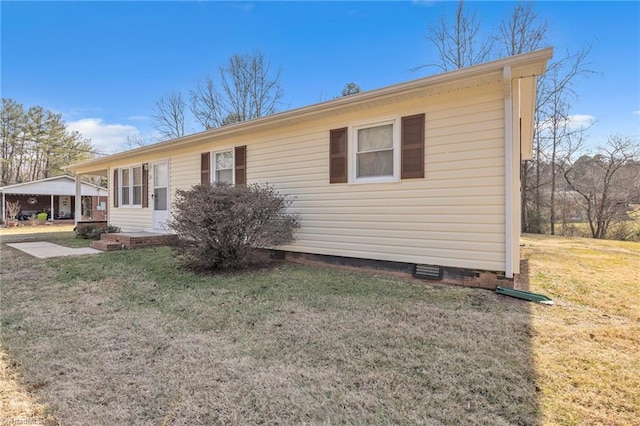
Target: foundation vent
x=429 y=272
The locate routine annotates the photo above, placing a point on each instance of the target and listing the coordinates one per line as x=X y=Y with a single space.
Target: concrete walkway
x=44 y=250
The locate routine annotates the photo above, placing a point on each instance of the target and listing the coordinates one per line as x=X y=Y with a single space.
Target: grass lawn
x=128 y=338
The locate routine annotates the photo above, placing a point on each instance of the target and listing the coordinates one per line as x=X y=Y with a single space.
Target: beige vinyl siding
x=453 y=217
x=184 y=171
x=128 y=219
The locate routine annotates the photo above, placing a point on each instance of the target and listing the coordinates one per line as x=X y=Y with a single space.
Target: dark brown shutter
x=145 y=185
x=338 y=156
x=115 y=188
x=205 y=168
x=412 y=147
x=241 y=165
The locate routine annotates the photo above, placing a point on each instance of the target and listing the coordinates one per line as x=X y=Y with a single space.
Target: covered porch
x=56 y=197
x=81 y=220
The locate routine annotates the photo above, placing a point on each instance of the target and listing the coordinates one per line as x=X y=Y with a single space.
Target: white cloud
x=106 y=138
x=575 y=121
x=636 y=112
x=138 y=118
x=581 y=120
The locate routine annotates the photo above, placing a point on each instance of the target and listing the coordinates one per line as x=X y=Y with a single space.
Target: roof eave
x=528 y=64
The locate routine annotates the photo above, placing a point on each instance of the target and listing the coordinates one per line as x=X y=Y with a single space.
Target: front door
x=160 y=195
x=64 y=209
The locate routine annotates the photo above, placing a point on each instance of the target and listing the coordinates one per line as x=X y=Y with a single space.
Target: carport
x=56 y=196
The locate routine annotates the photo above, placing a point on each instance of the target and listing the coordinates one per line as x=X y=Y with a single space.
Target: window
x=131 y=186
x=137 y=186
x=375 y=152
x=382 y=151
x=223 y=167
x=125 y=186
x=228 y=166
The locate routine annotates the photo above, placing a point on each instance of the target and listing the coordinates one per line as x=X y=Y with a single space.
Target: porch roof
x=58 y=185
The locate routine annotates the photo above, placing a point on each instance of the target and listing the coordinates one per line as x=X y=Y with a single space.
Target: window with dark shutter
x=241 y=165
x=115 y=188
x=205 y=168
x=338 y=156
x=145 y=185
x=412 y=147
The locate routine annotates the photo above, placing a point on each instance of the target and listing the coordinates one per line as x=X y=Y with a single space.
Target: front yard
x=128 y=338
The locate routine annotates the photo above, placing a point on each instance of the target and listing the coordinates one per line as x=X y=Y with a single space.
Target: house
x=420 y=173
x=56 y=196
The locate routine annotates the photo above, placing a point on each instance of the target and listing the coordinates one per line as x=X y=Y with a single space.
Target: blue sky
x=104 y=64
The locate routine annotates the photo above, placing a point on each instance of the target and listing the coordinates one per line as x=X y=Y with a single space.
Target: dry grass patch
x=16 y=403
x=17 y=233
x=127 y=338
x=586 y=347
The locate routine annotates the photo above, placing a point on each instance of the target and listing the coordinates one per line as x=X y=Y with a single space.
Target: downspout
x=508 y=171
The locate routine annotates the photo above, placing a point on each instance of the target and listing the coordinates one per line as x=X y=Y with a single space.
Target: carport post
x=53 y=213
x=78 y=213
x=3 y=217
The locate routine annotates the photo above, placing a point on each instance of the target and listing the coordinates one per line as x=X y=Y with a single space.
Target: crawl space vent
x=429 y=272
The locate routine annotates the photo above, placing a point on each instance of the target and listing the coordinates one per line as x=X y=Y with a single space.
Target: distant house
x=421 y=173
x=56 y=196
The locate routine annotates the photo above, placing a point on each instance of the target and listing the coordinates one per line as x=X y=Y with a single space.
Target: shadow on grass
x=132 y=339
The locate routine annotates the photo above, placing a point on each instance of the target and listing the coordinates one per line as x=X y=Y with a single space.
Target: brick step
x=132 y=240
x=106 y=245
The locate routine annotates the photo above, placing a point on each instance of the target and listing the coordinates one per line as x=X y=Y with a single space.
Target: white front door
x=160 y=195
x=64 y=208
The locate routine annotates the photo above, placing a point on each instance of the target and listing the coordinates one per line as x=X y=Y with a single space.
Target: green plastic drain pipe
x=525 y=295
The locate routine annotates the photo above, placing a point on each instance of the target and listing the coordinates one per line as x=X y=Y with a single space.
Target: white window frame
x=353 y=148
x=130 y=185
x=233 y=164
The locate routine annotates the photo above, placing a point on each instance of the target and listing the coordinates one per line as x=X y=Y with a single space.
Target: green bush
x=222 y=226
x=93 y=233
x=42 y=217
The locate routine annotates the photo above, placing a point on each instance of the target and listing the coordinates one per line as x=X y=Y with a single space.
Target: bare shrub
x=623 y=231
x=13 y=208
x=222 y=226
x=33 y=220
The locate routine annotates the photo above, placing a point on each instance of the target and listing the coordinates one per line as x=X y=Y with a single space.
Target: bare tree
x=605 y=183
x=206 y=103
x=168 y=115
x=248 y=88
x=554 y=127
x=459 y=43
x=135 y=140
x=521 y=31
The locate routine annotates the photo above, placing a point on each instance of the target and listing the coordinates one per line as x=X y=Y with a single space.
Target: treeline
x=600 y=189
x=35 y=143
x=565 y=184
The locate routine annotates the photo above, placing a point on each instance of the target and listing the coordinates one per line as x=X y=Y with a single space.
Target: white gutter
x=508 y=171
